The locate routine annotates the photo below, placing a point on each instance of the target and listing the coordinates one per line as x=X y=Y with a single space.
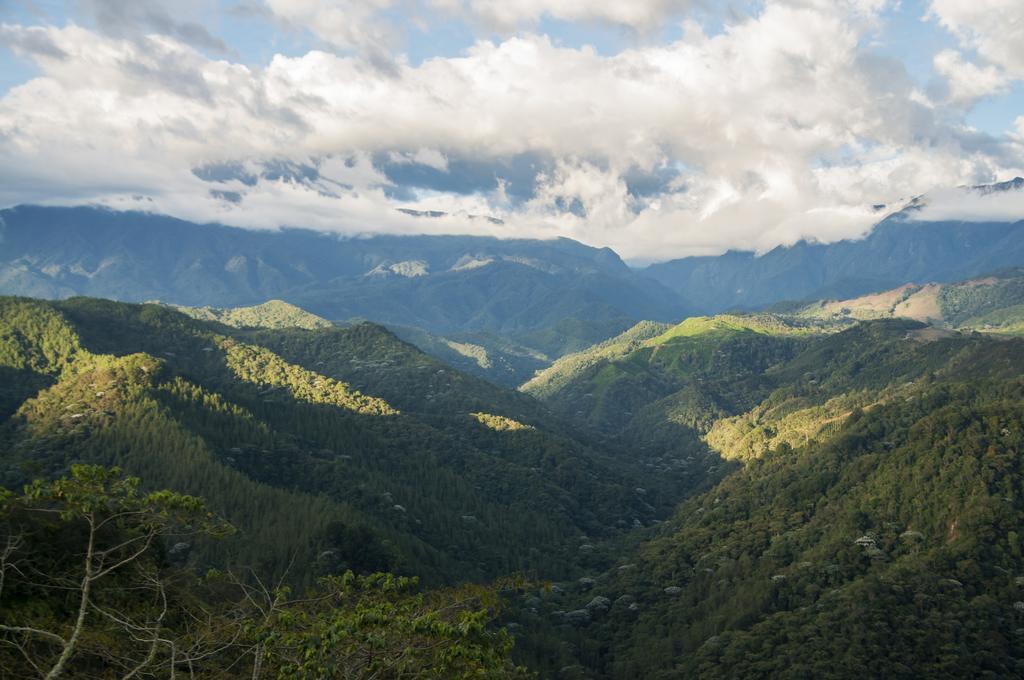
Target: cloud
x=429 y=158
x=135 y=18
x=971 y=205
x=994 y=28
x=968 y=82
x=642 y=15
x=344 y=24
x=34 y=42
x=778 y=127
x=363 y=24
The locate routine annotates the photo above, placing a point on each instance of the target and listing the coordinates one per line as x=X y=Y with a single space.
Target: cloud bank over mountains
x=775 y=121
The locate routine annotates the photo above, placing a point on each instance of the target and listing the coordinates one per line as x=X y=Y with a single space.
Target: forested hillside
x=329 y=448
x=868 y=524
x=890 y=549
x=497 y=359
x=767 y=495
x=135 y=610
x=991 y=304
x=656 y=384
x=270 y=314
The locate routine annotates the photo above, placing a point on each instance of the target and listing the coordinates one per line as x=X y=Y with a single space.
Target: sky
x=659 y=128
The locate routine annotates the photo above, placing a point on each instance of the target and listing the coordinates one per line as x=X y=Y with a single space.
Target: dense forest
x=765 y=495
x=279 y=431
x=137 y=612
x=866 y=521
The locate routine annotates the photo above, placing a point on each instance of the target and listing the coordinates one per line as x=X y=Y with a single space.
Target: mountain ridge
x=520 y=288
x=897 y=251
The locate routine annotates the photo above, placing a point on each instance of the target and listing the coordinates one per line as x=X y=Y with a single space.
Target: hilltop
x=270 y=314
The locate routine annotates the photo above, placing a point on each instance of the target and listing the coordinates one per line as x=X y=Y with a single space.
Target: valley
x=511 y=340
x=716 y=496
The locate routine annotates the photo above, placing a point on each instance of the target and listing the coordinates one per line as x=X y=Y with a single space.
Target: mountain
x=818 y=489
x=656 y=385
x=329 y=448
x=500 y=361
x=655 y=376
x=500 y=308
x=778 y=495
x=992 y=303
x=899 y=250
x=489 y=356
x=551 y=296
x=270 y=314
x=867 y=522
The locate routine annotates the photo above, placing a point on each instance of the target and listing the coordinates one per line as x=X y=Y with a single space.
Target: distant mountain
x=500 y=308
x=487 y=355
x=993 y=304
x=898 y=250
x=553 y=296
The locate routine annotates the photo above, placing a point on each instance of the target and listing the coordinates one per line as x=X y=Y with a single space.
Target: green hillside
x=490 y=356
x=566 y=369
x=270 y=314
x=95 y=586
x=655 y=376
x=869 y=527
x=487 y=355
x=326 y=447
x=759 y=495
x=990 y=304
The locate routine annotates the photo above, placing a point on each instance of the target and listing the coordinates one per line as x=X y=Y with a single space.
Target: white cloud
x=503 y=15
x=969 y=205
x=995 y=28
x=432 y=158
x=136 y=18
x=968 y=82
x=345 y=24
x=779 y=127
x=356 y=24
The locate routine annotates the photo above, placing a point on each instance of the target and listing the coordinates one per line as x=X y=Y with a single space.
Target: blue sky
x=659 y=127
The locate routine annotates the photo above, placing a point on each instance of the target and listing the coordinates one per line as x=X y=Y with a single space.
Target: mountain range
x=553 y=296
x=500 y=308
x=898 y=250
x=711 y=498
x=820 y=488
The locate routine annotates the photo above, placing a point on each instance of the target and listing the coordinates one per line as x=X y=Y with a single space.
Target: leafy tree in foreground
x=376 y=626
x=87 y=589
x=115 y=527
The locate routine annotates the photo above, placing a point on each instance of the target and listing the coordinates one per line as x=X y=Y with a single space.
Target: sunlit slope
x=992 y=304
x=364 y=427
x=270 y=314
x=889 y=550
x=612 y=383
x=866 y=524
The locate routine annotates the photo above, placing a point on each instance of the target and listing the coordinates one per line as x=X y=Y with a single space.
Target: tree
x=379 y=626
x=86 y=590
x=105 y=562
